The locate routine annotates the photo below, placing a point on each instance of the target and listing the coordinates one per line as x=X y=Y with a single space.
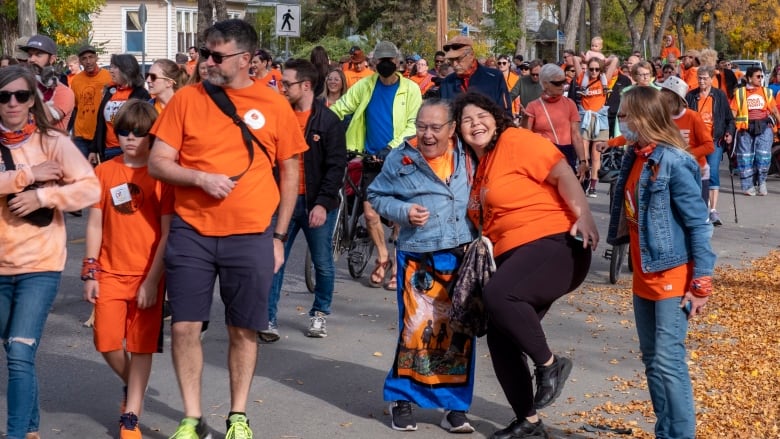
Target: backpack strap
x=8 y=159
x=222 y=101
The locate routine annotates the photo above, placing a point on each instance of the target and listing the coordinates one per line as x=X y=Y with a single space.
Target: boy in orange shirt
x=123 y=268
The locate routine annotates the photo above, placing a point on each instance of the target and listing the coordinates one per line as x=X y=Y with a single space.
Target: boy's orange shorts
x=118 y=318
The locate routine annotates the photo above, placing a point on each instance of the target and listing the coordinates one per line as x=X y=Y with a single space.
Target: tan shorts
x=589 y=134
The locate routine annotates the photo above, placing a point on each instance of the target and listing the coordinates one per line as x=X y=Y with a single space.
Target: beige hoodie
x=24 y=247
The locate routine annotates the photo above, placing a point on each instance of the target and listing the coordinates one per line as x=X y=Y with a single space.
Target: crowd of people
x=459 y=156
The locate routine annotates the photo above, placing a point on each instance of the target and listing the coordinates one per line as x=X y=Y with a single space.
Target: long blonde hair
x=652 y=120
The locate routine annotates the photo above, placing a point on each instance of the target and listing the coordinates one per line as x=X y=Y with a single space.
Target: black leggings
x=528 y=280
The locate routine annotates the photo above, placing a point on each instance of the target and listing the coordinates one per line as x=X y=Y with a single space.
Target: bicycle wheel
x=338 y=232
x=308 y=272
x=360 y=252
x=616 y=262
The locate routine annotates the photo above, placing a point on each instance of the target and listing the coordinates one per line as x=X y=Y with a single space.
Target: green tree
x=505 y=30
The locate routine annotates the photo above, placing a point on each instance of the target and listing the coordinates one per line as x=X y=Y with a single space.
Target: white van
x=745 y=64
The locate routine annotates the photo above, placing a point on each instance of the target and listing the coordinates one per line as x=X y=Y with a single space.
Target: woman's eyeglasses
x=21 y=96
x=151 y=77
x=136 y=132
x=433 y=127
x=216 y=56
x=570 y=70
x=594 y=70
x=502 y=63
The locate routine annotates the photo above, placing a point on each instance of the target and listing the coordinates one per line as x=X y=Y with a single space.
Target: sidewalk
x=332 y=387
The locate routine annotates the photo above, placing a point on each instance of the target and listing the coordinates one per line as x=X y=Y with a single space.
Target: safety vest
x=741 y=119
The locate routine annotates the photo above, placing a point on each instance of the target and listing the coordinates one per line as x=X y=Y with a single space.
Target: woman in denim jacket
x=424 y=187
x=658 y=208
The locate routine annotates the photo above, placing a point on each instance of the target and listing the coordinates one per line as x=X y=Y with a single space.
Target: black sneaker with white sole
x=402 y=419
x=455 y=421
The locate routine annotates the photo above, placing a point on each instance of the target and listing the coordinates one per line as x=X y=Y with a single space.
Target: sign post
x=288 y=23
x=142 y=20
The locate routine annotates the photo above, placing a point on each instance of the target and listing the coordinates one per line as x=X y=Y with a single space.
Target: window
x=134 y=36
x=186 y=29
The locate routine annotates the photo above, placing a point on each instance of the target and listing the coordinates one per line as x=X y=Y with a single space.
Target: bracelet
x=90 y=269
x=701 y=287
x=280 y=236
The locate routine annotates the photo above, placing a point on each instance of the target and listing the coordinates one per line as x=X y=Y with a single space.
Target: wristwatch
x=280 y=236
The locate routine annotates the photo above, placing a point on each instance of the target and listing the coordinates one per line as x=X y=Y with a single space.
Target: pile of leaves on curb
x=734 y=360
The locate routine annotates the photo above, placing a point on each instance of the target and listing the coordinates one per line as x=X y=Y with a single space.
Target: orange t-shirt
x=272 y=79
x=131 y=229
x=303 y=117
x=593 y=97
x=209 y=141
x=190 y=66
x=696 y=133
x=109 y=112
x=670 y=49
x=425 y=81
x=705 y=111
x=88 y=92
x=690 y=76
x=518 y=205
x=354 y=76
x=651 y=286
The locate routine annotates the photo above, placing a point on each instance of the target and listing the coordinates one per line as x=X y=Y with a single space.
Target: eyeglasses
x=558 y=83
x=135 y=131
x=594 y=70
x=535 y=75
x=643 y=75
x=502 y=63
x=758 y=77
x=458 y=59
x=21 y=96
x=436 y=129
x=287 y=84
x=704 y=78
x=151 y=77
x=621 y=115
x=454 y=46
x=570 y=70
x=216 y=56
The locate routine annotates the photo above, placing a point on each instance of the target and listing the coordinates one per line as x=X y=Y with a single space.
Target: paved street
x=332 y=388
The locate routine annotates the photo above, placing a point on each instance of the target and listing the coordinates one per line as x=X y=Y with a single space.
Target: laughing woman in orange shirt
x=531 y=206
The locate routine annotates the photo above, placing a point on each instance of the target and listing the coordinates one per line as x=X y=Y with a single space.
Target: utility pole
x=441 y=23
x=27 y=18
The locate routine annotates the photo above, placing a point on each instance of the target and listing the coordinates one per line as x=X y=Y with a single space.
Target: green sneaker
x=238 y=427
x=191 y=428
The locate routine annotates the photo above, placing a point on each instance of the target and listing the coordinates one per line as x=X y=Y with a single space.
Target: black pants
x=528 y=280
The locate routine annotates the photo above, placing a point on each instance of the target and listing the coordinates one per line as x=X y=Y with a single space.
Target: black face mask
x=385 y=68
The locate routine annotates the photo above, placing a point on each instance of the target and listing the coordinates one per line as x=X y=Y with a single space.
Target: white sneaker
x=317 y=328
x=762 y=189
x=269 y=335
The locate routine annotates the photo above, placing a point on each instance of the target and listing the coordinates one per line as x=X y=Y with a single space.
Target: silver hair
x=550 y=71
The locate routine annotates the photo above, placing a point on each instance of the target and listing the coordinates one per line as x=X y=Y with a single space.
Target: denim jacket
x=407 y=179
x=673 y=220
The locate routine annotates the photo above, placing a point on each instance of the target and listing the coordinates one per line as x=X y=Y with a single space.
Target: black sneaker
x=522 y=429
x=455 y=421
x=402 y=419
x=550 y=380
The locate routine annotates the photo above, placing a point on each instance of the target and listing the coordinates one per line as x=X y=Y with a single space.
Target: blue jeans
x=662 y=327
x=713 y=159
x=82 y=144
x=320 y=241
x=25 y=300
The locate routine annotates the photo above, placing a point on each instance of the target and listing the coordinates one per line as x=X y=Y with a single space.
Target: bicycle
x=609 y=172
x=350 y=234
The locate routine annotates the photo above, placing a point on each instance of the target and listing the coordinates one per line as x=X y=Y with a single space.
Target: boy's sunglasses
x=216 y=56
x=135 y=131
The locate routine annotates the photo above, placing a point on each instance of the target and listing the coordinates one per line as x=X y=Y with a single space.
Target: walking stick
x=731 y=174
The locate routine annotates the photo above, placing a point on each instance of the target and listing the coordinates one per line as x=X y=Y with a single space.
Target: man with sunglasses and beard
x=222 y=224
x=57 y=97
x=469 y=75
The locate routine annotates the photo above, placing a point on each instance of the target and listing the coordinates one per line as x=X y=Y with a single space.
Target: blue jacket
x=674 y=225
x=400 y=185
x=489 y=82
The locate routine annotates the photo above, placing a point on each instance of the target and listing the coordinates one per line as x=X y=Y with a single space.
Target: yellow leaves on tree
x=66 y=22
x=750 y=25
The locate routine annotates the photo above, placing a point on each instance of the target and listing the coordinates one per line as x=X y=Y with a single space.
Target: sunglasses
x=558 y=83
x=454 y=46
x=502 y=63
x=570 y=70
x=535 y=75
x=759 y=77
x=216 y=56
x=594 y=70
x=151 y=77
x=21 y=96
x=135 y=131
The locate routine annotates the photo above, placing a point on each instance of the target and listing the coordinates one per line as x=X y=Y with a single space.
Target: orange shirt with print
x=88 y=92
x=518 y=205
x=696 y=134
x=131 y=230
x=650 y=286
x=272 y=79
x=109 y=112
x=594 y=96
x=207 y=140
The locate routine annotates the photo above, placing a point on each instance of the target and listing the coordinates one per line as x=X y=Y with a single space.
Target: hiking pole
x=731 y=174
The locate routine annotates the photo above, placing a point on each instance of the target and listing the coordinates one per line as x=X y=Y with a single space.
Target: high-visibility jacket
x=740 y=95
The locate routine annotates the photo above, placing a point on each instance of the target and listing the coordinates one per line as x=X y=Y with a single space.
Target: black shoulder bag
x=220 y=98
x=41 y=217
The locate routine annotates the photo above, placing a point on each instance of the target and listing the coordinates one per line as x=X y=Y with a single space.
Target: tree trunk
x=205 y=18
x=521 y=47
x=27 y=18
x=221 y=8
x=595 y=18
x=571 y=24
